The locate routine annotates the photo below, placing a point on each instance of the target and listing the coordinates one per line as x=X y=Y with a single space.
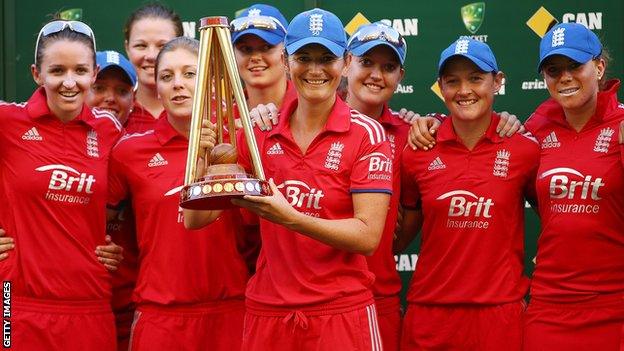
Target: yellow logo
x=541 y=21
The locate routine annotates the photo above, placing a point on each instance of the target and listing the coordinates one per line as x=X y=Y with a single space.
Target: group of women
x=338 y=171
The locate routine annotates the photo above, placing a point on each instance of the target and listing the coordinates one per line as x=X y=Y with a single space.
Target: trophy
x=218 y=83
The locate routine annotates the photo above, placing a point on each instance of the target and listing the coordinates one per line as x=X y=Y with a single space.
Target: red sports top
x=177 y=265
x=54 y=184
x=140 y=120
x=350 y=155
x=580 y=189
x=382 y=263
x=473 y=231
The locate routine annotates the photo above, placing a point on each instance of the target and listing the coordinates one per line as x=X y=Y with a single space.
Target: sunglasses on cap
x=58 y=26
x=259 y=22
x=378 y=32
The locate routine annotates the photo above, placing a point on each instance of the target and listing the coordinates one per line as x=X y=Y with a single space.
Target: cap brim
x=481 y=64
x=573 y=54
x=266 y=35
x=109 y=65
x=367 y=46
x=330 y=45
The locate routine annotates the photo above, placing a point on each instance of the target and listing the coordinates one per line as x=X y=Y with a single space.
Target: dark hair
x=65 y=34
x=189 y=44
x=606 y=56
x=153 y=10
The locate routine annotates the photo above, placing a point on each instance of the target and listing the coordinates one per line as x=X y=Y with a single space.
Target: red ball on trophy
x=223 y=153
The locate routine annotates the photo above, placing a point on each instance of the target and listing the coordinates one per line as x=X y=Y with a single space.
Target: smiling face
x=468 y=91
x=316 y=73
x=112 y=92
x=66 y=72
x=176 y=82
x=147 y=36
x=374 y=76
x=573 y=85
x=259 y=63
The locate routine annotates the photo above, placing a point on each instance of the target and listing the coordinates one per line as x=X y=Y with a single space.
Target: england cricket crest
x=472 y=15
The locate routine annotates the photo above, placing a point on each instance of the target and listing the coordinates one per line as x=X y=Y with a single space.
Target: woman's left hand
x=110 y=255
x=274 y=208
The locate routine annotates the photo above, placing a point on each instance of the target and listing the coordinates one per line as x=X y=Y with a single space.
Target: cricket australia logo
x=316 y=24
x=461 y=47
x=92 y=144
x=334 y=155
x=501 y=163
x=473 y=15
x=603 y=140
x=558 y=38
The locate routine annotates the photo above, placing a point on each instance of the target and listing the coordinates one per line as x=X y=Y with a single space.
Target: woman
x=146 y=31
x=189 y=292
x=578 y=283
x=333 y=166
x=113 y=91
x=468 y=193
x=53 y=161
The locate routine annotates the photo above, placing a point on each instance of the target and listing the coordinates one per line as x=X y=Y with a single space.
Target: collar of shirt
x=37 y=108
x=390 y=118
x=164 y=131
x=339 y=119
x=607 y=103
x=447 y=133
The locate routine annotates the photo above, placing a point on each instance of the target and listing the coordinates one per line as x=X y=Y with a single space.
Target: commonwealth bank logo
x=473 y=15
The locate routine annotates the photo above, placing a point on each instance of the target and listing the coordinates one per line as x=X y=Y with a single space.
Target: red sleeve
x=622 y=154
x=117 y=181
x=372 y=170
x=410 y=195
x=244 y=158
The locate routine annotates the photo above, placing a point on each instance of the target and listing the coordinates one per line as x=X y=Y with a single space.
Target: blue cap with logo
x=109 y=58
x=316 y=26
x=477 y=52
x=572 y=40
x=372 y=35
x=262 y=20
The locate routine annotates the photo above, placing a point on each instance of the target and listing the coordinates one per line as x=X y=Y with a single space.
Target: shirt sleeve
x=372 y=170
x=117 y=180
x=244 y=157
x=410 y=194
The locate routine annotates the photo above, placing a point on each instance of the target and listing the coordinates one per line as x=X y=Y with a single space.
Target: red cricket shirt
x=473 y=231
x=580 y=187
x=350 y=155
x=140 y=120
x=54 y=184
x=382 y=263
x=177 y=265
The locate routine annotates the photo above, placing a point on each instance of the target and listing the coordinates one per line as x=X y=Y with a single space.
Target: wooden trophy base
x=223 y=183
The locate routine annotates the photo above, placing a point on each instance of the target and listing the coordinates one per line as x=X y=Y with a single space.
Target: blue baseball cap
x=477 y=52
x=316 y=26
x=265 y=21
x=109 y=58
x=572 y=40
x=372 y=35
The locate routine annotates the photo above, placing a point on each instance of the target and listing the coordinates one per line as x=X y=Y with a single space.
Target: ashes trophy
x=218 y=85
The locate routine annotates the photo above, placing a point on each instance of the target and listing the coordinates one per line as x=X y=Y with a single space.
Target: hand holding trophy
x=218 y=84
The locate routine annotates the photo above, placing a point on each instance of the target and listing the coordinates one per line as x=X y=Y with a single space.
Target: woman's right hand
x=6 y=244
x=421 y=134
x=265 y=116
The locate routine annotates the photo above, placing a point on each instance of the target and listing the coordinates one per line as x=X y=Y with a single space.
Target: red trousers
x=596 y=325
x=463 y=327
x=346 y=328
x=389 y=319
x=216 y=326
x=55 y=326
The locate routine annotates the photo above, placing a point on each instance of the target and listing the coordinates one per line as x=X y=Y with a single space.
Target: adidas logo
x=32 y=134
x=551 y=141
x=157 y=160
x=276 y=149
x=436 y=164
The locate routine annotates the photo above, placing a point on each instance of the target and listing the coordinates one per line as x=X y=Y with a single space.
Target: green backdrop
x=511 y=28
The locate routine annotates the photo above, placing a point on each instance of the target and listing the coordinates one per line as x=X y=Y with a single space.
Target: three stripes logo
x=276 y=149
x=436 y=164
x=32 y=134
x=551 y=141
x=157 y=160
